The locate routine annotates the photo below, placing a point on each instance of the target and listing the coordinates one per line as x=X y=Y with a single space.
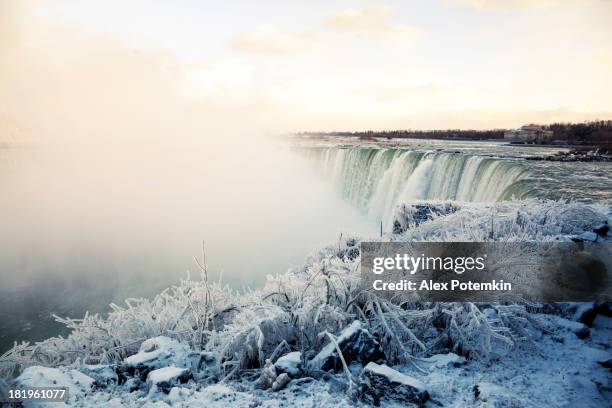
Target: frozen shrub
x=303 y=309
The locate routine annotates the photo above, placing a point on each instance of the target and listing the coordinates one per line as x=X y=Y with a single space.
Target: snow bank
x=77 y=383
x=37 y=376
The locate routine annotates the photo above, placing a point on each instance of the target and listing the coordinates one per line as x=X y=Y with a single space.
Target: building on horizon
x=530 y=134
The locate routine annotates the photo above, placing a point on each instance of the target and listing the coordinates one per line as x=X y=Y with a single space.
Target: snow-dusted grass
x=298 y=310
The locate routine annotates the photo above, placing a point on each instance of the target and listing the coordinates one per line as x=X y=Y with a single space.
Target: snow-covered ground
x=313 y=337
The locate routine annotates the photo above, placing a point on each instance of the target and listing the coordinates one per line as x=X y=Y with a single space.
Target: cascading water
x=377 y=180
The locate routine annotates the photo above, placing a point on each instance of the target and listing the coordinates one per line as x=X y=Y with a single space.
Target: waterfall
x=377 y=180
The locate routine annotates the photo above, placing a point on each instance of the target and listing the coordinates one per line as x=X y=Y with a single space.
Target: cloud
x=369 y=19
x=369 y=23
x=266 y=39
x=488 y=5
x=372 y=22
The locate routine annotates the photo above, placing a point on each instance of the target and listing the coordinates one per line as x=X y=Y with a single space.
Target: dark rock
x=163 y=379
x=267 y=376
x=382 y=383
x=397 y=227
x=357 y=345
x=103 y=375
x=425 y=212
x=583 y=332
x=602 y=229
x=207 y=362
x=352 y=253
x=586 y=313
x=154 y=353
x=413 y=215
x=136 y=373
x=290 y=364
x=281 y=382
x=606 y=364
x=576 y=156
x=604 y=308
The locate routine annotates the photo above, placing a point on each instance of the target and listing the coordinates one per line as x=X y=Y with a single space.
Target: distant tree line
x=585 y=133
x=458 y=134
x=596 y=132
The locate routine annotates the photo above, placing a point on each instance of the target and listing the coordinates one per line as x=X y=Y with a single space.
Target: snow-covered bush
x=294 y=311
x=516 y=221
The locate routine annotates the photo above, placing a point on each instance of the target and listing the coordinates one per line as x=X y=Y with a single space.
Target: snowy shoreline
x=314 y=337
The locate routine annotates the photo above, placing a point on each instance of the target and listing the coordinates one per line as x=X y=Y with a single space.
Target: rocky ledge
x=576 y=156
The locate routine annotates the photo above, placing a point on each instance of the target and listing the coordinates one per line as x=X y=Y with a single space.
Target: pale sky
x=350 y=65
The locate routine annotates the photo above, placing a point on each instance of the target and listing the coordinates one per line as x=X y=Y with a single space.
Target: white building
x=529 y=134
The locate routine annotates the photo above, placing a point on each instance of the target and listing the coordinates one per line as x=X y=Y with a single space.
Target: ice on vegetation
x=237 y=346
